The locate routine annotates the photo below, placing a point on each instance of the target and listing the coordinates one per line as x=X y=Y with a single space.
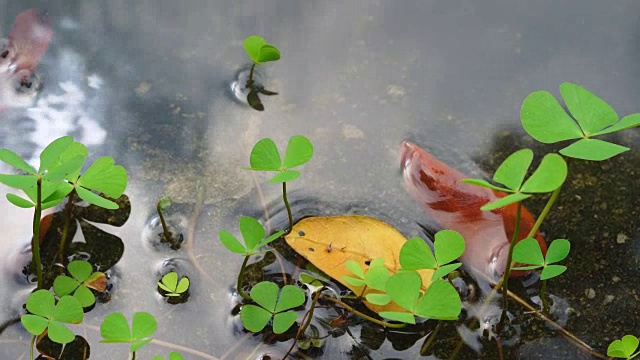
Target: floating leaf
x=265 y=156
x=115 y=329
x=45 y=314
x=172 y=286
x=273 y=302
x=299 y=151
x=359 y=238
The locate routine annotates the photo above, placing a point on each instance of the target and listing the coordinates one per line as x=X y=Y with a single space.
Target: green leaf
x=545 y=120
x=355 y=268
x=627 y=122
x=265 y=293
x=19 y=202
x=513 y=169
x=104 y=177
x=34 y=324
x=558 y=250
x=259 y=51
x=378 y=299
x=290 y=297
x=41 y=303
x=62 y=170
x=283 y=321
x=183 y=285
x=593 y=114
x=74 y=150
x=502 y=202
x=19 y=181
x=68 y=310
x=285 y=176
x=404 y=317
x=231 y=243
x=592 y=149
x=136 y=345
x=254 y=318
x=95 y=199
x=252 y=232
x=84 y=296
x=623 y=348
x=59 y=333
x=170 y=280
x=531 y=267
x=269 y=239
x=175 y=356
x=164 y=203
x=64 y=285
x=448 y=246
x=143 y=325
x=376 y=278
x=353 y=281
x=415 y=254
x=441 y=301
x=50 y=155
x=265 y=156
x=404 y=289
x=299 y=151
x=114 y=328
x=80 y=269
x=549 y=176
x=13 y=159
x=551 y=271
x=527 y=251
x=444 y=270
x=485 y=183
x=60 y=193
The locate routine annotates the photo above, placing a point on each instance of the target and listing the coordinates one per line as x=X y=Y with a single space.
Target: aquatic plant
x=171 y=286
x=172 y=356
x=80 y=283
x=166 y=235
x=624 y=348
x=259 y=52
x=47 y=315
x=272 y=303
x=115 y=329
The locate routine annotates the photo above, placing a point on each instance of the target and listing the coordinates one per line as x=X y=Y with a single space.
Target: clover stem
x=544 y=213
x=286 y=204
x=67 y=222
x=507 y=268
x=36 y=232
x=364 y=316
x=133 y=355
x=307 y=320
x=241 y=279
x=431 y=338
x=543 y=297
x=168 y=237
x=250 y=81
x=31 y=343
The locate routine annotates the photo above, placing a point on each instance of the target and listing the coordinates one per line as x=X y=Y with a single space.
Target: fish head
x=28 y=40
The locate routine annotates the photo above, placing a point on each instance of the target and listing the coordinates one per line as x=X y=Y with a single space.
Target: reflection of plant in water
x=166 y=236
x=259 y=52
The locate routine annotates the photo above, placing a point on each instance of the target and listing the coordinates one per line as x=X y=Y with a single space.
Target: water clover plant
x=82 y=279
x=253 y=235
x=528 y=251
x=259 y=52
x=546 y=121
x=115 y=329
x=170 y=284
x=375 y=278
x=624 y=348
x=172 y=356
x=166 y=235
x=272 y=303
x=266 y=157
x=448 y=246
x=548 y=177
x=45 y=314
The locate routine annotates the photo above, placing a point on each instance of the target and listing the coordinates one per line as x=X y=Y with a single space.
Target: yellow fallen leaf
x=329 y=242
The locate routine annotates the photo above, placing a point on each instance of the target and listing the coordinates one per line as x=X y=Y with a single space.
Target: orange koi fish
x=456 y=206
x=28 y=40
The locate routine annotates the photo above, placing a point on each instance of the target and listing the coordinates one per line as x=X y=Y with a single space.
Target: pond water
x=149 y=83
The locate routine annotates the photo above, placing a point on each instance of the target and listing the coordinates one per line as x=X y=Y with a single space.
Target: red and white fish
x=26 y=43
x=456 y=206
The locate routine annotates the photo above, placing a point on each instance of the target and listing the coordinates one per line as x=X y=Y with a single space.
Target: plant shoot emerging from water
x=167 y=235
x=259 y=52
x=172 y=286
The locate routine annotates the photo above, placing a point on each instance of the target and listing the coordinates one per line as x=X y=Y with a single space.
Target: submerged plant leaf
x=254 y=100
x=359 y=238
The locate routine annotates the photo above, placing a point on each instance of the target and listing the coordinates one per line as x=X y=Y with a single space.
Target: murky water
x=149 y=83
